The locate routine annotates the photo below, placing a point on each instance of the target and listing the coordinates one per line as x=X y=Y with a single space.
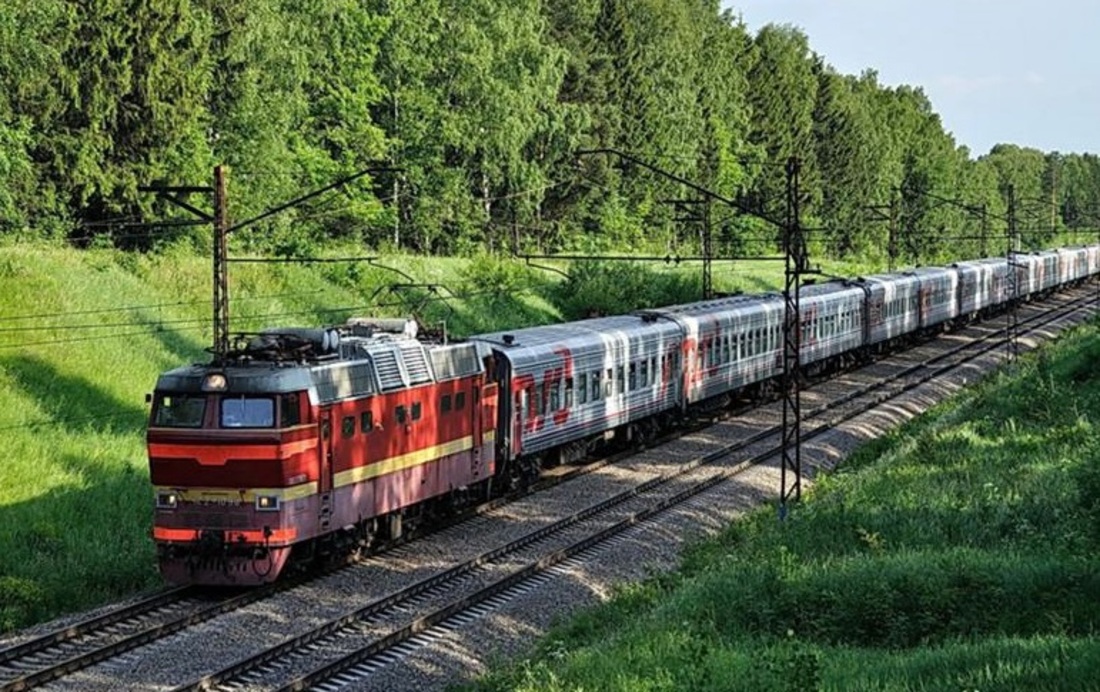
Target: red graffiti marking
x=566 y=371
x=535 y=421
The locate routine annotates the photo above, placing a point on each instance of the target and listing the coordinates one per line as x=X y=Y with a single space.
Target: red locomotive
x=305 y=438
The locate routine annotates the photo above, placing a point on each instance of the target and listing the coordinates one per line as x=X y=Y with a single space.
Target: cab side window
x=289 y=410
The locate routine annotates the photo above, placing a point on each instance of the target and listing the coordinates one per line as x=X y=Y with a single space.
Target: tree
x=471 y=115
x=782 y=95
x=1021 y=170
x=851 y=151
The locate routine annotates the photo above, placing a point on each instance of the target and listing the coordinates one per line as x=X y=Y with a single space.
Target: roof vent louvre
x=416 y=362
x=388 y=367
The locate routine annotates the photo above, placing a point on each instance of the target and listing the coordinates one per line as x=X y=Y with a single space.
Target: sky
x=1012 y=71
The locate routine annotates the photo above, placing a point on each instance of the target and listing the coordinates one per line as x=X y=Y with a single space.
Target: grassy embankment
x=84 y=334
x=959 y=553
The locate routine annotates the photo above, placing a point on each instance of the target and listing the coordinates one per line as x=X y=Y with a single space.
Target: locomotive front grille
x=228 y=520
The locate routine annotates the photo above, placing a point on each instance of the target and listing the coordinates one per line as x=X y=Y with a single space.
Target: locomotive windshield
x=248 y=412
x=179 y=410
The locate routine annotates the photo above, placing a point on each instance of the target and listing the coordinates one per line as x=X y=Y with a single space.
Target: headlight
x=214 y=382
x=267 y=503
x=167 y=500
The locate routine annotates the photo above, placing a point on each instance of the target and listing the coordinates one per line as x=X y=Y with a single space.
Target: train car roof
x=981 y=261
x=724 y=305
x=827 y=288
x=906 y=280
x=572 y=334
x=929 y=271
x=887 y=276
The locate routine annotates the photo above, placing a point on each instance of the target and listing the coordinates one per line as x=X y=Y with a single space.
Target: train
x=303 y=442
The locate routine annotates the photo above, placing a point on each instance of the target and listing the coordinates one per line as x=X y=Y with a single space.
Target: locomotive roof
x=361 y=367
x=268 y=378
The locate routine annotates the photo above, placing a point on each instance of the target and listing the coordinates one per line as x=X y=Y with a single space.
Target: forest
x=477 y=121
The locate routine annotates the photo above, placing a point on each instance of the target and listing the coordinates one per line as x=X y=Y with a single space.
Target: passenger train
x=310 y=441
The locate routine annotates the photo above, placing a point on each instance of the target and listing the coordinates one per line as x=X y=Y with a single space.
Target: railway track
x=28 y=664
x=61 y=653
x=46 y=658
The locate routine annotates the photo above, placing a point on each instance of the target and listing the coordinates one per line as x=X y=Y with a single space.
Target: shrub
x=614 y=288
x=22 y=602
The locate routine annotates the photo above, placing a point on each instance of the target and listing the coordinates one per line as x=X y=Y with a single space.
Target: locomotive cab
x=233 y=458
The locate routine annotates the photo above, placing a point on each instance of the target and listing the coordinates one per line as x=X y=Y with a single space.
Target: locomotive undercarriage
x=376 y=533
x=212 y=560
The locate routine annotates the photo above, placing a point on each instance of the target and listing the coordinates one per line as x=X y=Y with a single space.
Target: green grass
x=84 y=334
x=958 y=553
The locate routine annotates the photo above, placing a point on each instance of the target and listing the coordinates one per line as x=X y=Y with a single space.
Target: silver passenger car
x=982 y=284
x=1049 y=269
x=832 y=319
x=1093 y=254
x=892 y=306
x=728 y=342
x=939 y=297
x=1073 y=264
x=1027 y=276
x=567 y=382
